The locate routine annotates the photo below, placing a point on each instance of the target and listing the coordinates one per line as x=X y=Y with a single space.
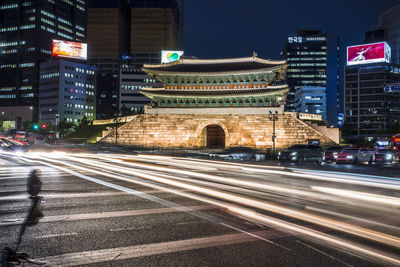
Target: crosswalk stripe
x=76 y=195
x=112 y=214
x=121 y=253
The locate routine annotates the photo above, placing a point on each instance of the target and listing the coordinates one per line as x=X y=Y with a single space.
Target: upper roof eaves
x=214 y=65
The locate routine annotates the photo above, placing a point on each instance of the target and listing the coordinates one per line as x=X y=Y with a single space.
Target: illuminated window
x=7 y=89
x=27 y=65
x=8 y=6
x=48 y=14
x=64 y=21
x=65 y=28
x=25 y=27
x=47 y=21
x=80 y=7
x=64 y=35
x=7 y=96
x=9 y=29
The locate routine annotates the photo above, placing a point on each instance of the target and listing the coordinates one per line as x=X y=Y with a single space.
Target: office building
x=67 y=91
x=389 y=21
x=154 y=25
x=312 y=100
x=27 y=29
x=128 y=30
x=370 y=111
x=306 y=55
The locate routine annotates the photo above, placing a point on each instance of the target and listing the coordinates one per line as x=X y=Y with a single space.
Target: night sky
x=234 y=28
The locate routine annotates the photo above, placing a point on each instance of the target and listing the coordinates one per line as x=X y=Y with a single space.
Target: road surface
x=148 y=210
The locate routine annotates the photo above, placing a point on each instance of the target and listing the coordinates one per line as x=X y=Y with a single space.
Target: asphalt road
x=149 y=210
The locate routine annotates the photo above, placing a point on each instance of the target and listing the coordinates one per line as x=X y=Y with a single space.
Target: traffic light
x=44 y=126
x=35 y=127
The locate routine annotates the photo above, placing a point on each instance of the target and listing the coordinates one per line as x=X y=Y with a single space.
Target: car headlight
x=279 y=153
x=335 y=153
x=349 y=156
x=293 y=154
x=388 y=156
x=335 y=156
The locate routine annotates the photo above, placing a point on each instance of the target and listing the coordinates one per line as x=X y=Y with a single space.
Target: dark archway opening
x=215 y=136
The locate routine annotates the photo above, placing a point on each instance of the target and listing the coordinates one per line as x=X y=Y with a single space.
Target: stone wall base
x=188 y=131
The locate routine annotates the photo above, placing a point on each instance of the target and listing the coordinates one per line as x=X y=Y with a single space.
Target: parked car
x=301 y=153
x=386 y=156
x=239 y=153
x=355 y=155
x=331 y=153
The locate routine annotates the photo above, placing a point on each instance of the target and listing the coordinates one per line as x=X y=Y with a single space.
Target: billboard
x=170 y=56
x=69 y=49
x=368 y=53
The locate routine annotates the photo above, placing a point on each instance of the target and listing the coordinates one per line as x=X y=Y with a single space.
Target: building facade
x=123 y=30
x=389 y=21
x=306 y=55
x=67 y=91
x=26 y=34
x=132 y=80
x=311 y=100
x=370 y=111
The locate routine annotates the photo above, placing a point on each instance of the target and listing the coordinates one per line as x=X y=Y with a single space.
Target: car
x=355 y=155
x=239 y=153
x=302 y=153
x=386 y=156
x=331 y=153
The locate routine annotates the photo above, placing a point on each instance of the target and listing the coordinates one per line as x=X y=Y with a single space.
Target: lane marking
x=111 y=214
x=58 y=235
x=76 y=195
x=121 y=253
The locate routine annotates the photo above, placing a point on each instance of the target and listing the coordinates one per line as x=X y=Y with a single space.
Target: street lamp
x=273 y=117
x=117 y=114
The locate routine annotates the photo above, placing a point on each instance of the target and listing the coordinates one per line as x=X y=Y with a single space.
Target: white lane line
x=77 y=195
x=127 y=229
x=104 y=255
x=58 y=235
x=112 y=214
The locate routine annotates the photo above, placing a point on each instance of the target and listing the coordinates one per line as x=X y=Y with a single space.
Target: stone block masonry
x=189 y=131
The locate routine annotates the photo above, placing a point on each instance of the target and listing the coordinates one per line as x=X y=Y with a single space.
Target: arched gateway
x=212 y=134
x=215 y=136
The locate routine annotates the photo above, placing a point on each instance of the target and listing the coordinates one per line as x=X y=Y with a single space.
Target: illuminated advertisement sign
x=301 y=39
x=69 y=49
x=368 y=53
x=170 y=56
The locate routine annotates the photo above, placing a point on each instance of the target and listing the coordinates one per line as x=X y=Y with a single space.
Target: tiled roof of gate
x=215 y=65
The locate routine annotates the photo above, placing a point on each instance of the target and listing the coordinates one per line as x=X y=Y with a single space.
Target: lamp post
x=273 y=117
x=117 y=114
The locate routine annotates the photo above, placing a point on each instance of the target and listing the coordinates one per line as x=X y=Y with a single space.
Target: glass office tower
x=27 y=29
x=306 y=55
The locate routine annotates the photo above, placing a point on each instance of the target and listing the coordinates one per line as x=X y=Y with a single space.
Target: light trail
x=327 y=239
x=289 y=212
x=380 y=199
